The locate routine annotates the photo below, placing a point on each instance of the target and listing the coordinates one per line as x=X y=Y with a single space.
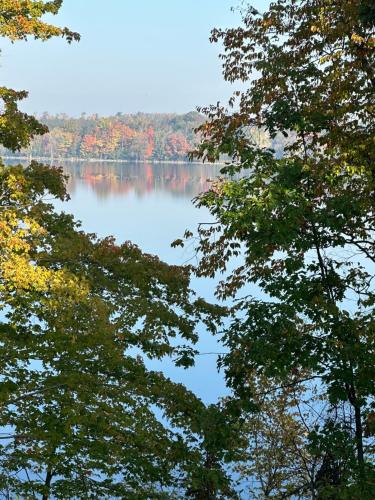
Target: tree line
x=120 y=137
x=81 y=414
x=137 y=137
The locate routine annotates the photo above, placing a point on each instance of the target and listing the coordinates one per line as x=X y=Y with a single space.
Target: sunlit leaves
x=81 y=315
x=21 y=18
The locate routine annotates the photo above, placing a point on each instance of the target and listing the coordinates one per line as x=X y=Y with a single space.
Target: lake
x=150 y=205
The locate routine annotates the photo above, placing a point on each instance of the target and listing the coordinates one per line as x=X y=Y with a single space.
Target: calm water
x=147 y=204
x=150 y=204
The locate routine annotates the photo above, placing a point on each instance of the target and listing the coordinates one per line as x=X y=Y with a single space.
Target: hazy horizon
x=102 y=115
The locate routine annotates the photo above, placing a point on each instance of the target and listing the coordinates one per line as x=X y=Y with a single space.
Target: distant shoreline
x=106 y=160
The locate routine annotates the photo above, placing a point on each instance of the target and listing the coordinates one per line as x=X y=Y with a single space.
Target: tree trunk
x=350 y=389
x=359 y=434
x=47 y=484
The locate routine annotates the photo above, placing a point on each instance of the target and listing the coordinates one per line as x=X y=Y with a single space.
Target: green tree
x=302 y=224
x=278 y=461
x=18 y=20
x=215 y=448
x=77 y=402
x=81 y=414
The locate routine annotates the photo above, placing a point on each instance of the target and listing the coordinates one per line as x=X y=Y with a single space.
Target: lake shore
x=107 y=160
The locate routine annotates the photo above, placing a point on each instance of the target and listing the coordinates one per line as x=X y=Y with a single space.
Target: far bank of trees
x=120 y=137
x=137 y=137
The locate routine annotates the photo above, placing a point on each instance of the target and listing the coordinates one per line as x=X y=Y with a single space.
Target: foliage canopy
x=303 y=224
x=83 y=416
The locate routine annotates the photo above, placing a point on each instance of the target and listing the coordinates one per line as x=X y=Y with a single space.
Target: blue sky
x=135 y=55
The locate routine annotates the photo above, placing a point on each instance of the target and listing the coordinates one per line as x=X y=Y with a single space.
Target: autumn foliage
x=122 y=137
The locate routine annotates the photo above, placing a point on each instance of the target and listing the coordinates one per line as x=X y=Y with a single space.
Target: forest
x=121 y=137
x=138 y=137
x=290 y=241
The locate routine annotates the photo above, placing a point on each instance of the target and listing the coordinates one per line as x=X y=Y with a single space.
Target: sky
x=134 y=56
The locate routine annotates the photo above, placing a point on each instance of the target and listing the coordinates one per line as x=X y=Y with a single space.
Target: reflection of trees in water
x=183 y=180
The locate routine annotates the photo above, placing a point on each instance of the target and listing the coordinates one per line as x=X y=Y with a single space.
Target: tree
x=76 y=403
x=278 y=461
x=18 y=20
x=153 y=136
x=215 y=446
x=81 y=414
x=302 y=224
x=176 y=146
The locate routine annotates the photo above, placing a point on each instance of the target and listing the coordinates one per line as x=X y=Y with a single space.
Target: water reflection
x=150 y=205
x=140 y=179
